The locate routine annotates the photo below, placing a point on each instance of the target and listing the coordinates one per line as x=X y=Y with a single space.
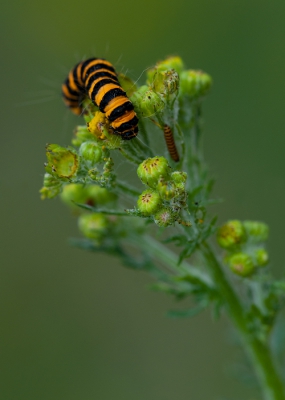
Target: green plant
x=116 y=217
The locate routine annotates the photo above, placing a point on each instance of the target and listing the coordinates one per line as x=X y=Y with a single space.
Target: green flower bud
x=166 y=189
x=179 y=179
x=195 y=83
x=170 y=63
x=165 y=217
x=241 y=264
x=52 y=187
x=93 y=226
x=91 y=153
x=151 y=170
x=127 y=84
x=150 y=75
x=166 y=84
x=261 y=257
x=231 y=234
x=50 y=180
x=74 y=192
x=149 y=202
x=62 y=163
x=96 y=195
x=257 y=231
x=173 y=62
x=146 y=102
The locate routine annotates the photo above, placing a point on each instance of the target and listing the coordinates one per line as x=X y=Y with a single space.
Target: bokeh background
x=79 y=326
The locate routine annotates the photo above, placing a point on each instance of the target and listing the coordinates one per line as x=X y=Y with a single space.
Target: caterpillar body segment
x=96 y=79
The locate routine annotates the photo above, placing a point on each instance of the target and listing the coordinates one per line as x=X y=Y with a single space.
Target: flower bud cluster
x=166 y=194
x=243 y=242
x=170 y=76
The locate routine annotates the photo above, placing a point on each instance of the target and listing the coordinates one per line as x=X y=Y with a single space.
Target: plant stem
x=258 y=352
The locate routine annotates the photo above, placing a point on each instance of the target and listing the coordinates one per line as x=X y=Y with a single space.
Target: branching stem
x=258 y=352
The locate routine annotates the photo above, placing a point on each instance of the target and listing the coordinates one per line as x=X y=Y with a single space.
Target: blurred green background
x=75 y=326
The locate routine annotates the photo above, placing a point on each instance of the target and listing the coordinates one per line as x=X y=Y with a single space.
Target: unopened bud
x=50 y=180
x=164 y=217
x=151 y=170
x=174 y=62
x=166 y=84
x=231 y=234
x=241 y=264
x=96 y=195
x=179 y=179
x=166 y=189
x=73 y=193
x=195 y=83
x=261 y=257
x=149 y=202
x=256 y=231
x=52 y=187
x=146 y=102
x=93 y=226
x=62 y=163
x=91 y=153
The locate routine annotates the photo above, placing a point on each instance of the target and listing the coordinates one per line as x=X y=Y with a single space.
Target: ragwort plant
x=170 y=196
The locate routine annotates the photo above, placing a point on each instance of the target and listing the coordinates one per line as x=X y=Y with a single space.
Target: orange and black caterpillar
x=96 y=78
x=170 y=143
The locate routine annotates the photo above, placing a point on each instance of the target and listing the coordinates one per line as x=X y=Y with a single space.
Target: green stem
x=258 y=352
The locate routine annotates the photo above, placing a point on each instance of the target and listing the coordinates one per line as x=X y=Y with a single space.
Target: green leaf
x=187 y=313
x=178 y=240
x=102 y=211
x=188 y=251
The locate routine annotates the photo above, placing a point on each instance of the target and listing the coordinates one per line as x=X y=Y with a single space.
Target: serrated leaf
x=208 y=229
x=188 y=251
